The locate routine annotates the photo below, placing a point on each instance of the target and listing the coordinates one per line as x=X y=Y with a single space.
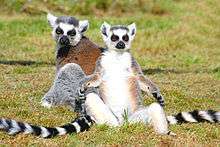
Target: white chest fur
x=115 y=63
x=116 y=72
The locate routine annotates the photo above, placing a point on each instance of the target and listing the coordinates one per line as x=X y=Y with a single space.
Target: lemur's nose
x=64 y=40
x=120 y=45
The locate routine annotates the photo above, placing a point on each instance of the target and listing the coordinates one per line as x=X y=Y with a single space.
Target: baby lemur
x=72 y=47
x=119 y=80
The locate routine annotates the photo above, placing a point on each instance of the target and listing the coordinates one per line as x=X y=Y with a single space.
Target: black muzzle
x=120 y=45
x=64 y=40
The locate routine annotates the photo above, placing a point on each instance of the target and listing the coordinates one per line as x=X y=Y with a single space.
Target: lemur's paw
x=46 y=104
x=171 y=133
x=83 y=88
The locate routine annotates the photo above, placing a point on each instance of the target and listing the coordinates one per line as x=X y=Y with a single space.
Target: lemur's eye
x=59 y=31
x=125 y=38
x=114 y=38
x=72 y=32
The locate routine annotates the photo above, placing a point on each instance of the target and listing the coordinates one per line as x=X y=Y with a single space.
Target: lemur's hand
x=155 y=91
x=157 y=95
x=85 y=88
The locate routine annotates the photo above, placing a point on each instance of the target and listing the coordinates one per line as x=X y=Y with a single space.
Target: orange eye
x=59 y=31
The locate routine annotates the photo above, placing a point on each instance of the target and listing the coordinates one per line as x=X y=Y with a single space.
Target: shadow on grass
x=24 y=63
x=159 y=70
x=150 y=71
x=175 y=71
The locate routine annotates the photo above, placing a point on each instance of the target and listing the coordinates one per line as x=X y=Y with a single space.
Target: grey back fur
x=65 y=89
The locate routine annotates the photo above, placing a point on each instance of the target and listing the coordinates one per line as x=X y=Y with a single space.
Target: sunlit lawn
x=179 y=50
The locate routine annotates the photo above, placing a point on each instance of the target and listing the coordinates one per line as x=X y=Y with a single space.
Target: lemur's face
x=67 y=30
x=118 y=38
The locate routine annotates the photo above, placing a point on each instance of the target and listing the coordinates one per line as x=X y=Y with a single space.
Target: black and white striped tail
x=195 y=116
x=159 y=98
x=13 y=127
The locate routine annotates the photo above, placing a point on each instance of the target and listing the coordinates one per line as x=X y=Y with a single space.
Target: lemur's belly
x=120 y=95
x=119 y=86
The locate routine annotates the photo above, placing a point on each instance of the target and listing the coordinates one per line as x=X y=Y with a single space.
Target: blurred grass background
x=177 y=44
x=86 y=7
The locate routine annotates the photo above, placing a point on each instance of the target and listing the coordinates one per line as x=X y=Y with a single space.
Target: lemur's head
x=67 y=30
x=118 y=37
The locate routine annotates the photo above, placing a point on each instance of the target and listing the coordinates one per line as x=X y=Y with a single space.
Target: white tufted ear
x=105 y=29
x=83 y=25
x=132 y=30
x=51 y=19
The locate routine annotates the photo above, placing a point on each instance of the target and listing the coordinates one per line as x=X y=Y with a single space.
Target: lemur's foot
x=46 y=104
x=171 y=133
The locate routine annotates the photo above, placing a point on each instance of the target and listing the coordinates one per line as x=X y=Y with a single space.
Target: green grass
x=177 y=45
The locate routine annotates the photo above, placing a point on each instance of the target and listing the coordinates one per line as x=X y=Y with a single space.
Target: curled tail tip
x=195 y=117
x=13 y=127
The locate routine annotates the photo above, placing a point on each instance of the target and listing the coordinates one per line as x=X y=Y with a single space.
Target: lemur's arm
x=94 y=80
x=146 y=84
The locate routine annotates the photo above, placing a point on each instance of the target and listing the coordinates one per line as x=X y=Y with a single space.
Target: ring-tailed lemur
x=119 y=87
x=72 y=47
x=120 y=80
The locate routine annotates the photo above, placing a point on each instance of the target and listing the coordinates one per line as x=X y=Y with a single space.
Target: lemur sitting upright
x=119 y=80
x=72 y=47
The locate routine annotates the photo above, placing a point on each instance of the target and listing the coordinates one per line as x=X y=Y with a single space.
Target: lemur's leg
x=154 y=115
x=94 y=105
x=140 y=115
x=99 y=112
x=146 y=84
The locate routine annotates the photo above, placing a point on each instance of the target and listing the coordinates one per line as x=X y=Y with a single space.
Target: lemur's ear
x=51 y=19
x=132 y=30
x=83 y=25
x=105 y=28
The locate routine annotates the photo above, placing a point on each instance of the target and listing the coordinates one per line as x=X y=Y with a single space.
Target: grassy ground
x=178 y=49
